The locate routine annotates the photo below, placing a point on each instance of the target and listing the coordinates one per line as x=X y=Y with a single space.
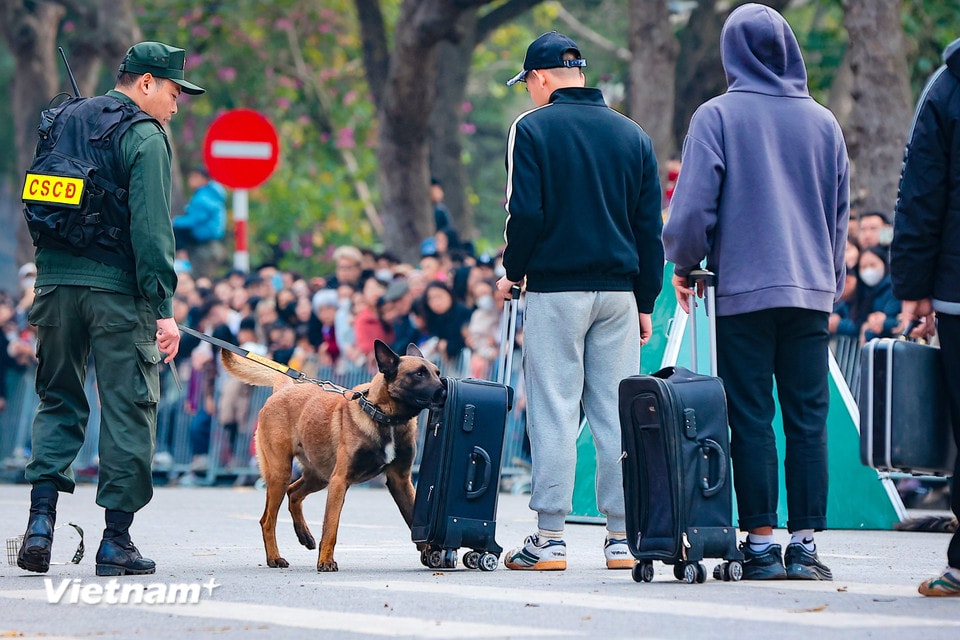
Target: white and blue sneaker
x=538 y=555
x=617 y=553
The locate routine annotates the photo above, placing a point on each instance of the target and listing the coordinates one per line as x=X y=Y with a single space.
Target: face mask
x=499 y=271
x=384 y=275
x=885 y=237
x=27 y=283
x=485 y=303
x=871 y=276
x=277 y=281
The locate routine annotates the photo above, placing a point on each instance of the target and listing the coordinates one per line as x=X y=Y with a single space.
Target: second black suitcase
x=456 y=500
x=904 y=418
x=459 y=480
x=676 y=469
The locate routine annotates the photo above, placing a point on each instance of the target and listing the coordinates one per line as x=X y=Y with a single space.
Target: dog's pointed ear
x=388 y=362
x=414 y=350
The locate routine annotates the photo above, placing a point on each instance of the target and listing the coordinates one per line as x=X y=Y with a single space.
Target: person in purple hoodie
x=763 y=195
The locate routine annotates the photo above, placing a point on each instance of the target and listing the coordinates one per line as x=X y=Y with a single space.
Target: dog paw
x=326 y=567
x=307 y=540
x=278 y=563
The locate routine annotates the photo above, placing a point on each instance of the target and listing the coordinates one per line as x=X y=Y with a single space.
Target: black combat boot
x=117 y=555
x=34 y=554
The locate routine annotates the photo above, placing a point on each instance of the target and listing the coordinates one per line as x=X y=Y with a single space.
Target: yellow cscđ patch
x=40 y=187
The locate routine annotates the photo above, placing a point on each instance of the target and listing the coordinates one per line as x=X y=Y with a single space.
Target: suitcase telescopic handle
x=508 y=336
x=711 y=448
x=478 y=464
x=709 y=280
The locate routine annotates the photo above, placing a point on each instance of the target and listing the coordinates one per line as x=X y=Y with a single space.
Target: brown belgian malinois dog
x=339 y=439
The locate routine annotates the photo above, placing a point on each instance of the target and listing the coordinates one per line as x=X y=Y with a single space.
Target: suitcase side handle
x=712 y=448
x=478 y=464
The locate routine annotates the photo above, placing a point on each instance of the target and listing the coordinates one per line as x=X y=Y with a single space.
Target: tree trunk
x=408 y=99
x=30 y=31
x=700 y=74
x=653 y=75
x=104 y=32
x=405 y=88
x=444 y=138
x=876 y=132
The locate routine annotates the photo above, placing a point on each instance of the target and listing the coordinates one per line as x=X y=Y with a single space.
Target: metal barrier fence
x=846 y=349
x=194 y=447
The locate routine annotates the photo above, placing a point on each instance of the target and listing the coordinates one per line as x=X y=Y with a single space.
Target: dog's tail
x=251 y=372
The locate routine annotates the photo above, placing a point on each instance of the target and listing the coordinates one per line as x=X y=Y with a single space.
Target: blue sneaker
x=763 y=565
x=805 y=565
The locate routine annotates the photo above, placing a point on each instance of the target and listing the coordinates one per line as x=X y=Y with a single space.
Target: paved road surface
x=382 y=590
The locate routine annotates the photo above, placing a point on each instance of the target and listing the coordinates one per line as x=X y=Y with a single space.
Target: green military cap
x=161 y=60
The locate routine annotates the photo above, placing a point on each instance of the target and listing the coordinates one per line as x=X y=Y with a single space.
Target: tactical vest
x=75 y=192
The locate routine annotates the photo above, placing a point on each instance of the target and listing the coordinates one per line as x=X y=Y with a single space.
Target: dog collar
x=376 y=413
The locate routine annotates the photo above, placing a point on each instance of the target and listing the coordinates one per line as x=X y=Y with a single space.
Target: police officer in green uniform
x=113 y=298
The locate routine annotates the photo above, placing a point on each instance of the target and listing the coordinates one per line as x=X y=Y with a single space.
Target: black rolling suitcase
x=459 y=479
x=676 y=467
x=905 y=420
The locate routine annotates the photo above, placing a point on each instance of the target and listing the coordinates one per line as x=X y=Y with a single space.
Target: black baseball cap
x=160 y=60
x=546 y=52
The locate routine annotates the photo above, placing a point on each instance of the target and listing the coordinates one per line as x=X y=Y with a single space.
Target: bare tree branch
x=499 y=16
x=590 y=35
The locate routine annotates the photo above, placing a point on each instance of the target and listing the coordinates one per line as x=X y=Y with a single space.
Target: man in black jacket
x=925 y=256
x=583 y=228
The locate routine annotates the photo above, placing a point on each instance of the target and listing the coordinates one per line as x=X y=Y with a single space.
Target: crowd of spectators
x=326 y=325
x=867 y=308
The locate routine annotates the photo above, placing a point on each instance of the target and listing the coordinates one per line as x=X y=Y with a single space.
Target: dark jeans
x=948 y=328
x=754 y=348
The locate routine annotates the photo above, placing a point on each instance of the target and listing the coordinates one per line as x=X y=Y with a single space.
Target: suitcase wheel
x=471 y=559
x=690 y=572
x=488 y=562
x=701 y=573
x=440 y=558
x=642 y=571
x=729 y=571
x=678 y=570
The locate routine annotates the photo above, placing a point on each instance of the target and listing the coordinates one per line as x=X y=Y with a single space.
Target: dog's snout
x=440 y=395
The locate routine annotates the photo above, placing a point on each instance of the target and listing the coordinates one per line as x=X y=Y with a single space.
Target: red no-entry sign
x=241 y=149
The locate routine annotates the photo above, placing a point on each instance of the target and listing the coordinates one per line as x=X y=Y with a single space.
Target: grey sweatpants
x=577 y=346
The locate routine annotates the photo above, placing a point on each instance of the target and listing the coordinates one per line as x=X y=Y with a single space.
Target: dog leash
x=368 y=407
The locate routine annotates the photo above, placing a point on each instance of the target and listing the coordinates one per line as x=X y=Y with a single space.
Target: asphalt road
x=211 y=537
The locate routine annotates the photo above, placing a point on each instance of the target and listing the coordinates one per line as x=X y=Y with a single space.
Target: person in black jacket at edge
x=925 y=255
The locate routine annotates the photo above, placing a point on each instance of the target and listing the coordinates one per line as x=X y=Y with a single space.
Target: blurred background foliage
x=300 y=63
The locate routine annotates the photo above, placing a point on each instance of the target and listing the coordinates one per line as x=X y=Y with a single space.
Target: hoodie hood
x=951 y=57
x=760 y=53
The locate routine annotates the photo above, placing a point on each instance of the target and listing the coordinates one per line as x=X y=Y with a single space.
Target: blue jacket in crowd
x=205 y=215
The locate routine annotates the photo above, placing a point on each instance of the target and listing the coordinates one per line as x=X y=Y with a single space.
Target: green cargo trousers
x=120 y=330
